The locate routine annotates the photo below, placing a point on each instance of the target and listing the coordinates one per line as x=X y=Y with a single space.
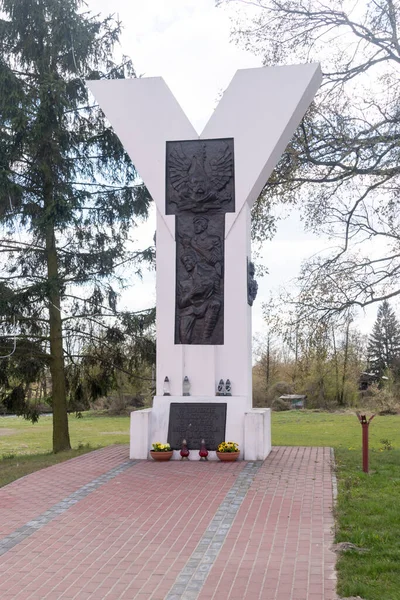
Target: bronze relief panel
x=199 y=191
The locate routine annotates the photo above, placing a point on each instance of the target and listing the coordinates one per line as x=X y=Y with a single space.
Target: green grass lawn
x=339 y=430
x=368 y=507
x=26 y=447
x=18 y=436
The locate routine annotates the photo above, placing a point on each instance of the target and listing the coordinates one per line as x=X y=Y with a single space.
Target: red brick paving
x=30 y=496
x=278 y=546
x=131 y=537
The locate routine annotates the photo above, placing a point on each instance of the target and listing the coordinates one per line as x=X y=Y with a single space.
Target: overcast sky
x=187 y=42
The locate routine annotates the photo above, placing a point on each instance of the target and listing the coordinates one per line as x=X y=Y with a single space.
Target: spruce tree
x=69 y=194
x=384 y=341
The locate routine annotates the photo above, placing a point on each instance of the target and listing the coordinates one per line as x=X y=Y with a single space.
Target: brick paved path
x=103 y=527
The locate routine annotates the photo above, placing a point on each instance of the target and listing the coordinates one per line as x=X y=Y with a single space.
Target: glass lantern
x=186 y=386
x=166 y=387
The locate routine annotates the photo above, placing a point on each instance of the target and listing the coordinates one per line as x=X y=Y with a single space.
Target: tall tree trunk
x=335 y=358
x=296 y=354
x=61 y=439
x=345 y=363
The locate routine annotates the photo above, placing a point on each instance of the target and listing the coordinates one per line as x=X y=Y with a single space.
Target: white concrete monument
x=203 y=243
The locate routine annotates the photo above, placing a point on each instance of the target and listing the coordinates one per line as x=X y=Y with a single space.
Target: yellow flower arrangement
x=159 y=447
x=228 y=447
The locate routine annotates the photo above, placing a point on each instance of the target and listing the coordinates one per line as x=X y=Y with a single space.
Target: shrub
x=280 y=405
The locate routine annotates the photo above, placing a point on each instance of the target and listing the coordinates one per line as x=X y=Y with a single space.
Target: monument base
x=248 y=427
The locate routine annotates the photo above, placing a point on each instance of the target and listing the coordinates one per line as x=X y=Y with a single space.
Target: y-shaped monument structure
x=204 y=187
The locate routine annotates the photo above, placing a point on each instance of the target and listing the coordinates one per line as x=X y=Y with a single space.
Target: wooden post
x=365 y=425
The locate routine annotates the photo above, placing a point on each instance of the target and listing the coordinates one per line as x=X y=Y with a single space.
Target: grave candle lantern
x=203 y=452
x=166 y=387
x=186 y=386
x=184 y=451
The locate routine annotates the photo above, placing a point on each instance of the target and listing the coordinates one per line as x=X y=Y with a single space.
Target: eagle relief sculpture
x=200 y=176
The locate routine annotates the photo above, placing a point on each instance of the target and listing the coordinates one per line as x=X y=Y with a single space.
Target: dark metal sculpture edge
x=252 y=285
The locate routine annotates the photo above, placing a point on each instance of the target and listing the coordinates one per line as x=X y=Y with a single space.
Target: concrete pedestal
x=250 y=428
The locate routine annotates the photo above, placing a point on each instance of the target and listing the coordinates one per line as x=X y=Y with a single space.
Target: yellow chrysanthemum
x=228 y=447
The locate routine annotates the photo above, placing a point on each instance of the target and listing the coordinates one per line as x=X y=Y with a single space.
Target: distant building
x=296 y=400
x=367 y=379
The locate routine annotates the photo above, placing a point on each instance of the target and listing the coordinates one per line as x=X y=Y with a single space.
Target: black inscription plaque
x=195 y=421
x=199 y=191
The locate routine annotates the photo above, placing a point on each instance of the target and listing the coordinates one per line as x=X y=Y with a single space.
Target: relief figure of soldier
x=199 y=284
